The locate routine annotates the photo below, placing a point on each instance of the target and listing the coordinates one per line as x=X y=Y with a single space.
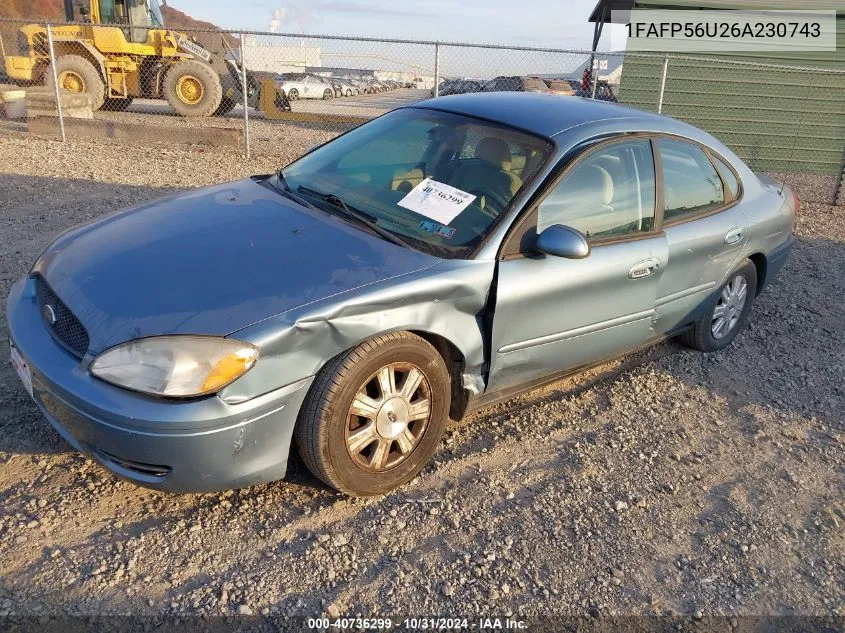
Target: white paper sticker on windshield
x=437 y=200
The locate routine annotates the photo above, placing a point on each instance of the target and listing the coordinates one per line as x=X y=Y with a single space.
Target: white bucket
x=14 y=102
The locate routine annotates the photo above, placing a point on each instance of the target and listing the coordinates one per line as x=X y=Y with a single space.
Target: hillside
x=54 y=10
x=29 y=9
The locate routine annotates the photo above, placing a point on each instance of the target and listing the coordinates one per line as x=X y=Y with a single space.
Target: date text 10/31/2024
x=417 y=624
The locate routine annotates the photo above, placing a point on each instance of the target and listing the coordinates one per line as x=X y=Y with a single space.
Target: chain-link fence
x=255 y=91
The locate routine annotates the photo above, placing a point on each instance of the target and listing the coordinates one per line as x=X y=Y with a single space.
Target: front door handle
x=734 y=235
x=644 y=268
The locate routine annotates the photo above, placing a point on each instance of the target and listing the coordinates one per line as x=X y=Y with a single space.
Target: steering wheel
x=491 y=204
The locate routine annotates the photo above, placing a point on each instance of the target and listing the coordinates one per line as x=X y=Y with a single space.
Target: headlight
x=177 y=366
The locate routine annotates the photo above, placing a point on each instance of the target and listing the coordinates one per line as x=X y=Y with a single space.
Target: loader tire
x=193 y=89
x=117 y=104
x=77 y=74
x=226 y=106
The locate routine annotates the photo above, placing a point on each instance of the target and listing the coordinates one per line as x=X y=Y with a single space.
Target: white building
x=280 y=59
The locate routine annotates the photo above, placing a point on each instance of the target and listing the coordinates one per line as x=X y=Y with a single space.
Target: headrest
x=597 y=183
x=494 y=150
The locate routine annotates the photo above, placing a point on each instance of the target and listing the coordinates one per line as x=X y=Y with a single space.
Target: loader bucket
x=273 y=102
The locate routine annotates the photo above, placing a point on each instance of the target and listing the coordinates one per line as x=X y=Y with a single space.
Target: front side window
x=439 y=179
x=691 y=185
x=609 y=193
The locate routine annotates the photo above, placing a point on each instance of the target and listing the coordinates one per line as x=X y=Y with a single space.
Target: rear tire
x=117 y=104
x=391 y=445
x=193 y=89
x=77 y=75
x=328 y=94
x=293 y=94
x=725 y=316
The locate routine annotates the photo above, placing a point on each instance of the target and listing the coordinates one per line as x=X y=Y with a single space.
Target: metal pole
x=56 y=88
x=436 y=69
x=839 y=185
x=595 y=82
x=245 y=90
x=662 y=84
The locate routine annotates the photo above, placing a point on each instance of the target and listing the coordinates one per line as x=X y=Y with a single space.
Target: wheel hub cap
x=392 y=418
x=388 y=417
x=729 y=307
x=190 y=90
x=72 y=82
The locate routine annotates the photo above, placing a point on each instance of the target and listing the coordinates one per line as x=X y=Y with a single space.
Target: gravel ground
x=671 y=482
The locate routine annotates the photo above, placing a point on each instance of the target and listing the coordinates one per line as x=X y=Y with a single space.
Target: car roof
x=540 y=113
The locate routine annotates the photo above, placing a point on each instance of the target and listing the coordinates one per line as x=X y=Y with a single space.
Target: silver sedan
x=307 y=87
x=437 y=259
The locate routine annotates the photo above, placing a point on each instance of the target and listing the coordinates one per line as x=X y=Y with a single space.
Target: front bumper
x=198 y=445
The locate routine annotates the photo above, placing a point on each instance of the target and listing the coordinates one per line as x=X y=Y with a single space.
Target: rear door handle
x=734 y=235
x=644 y=268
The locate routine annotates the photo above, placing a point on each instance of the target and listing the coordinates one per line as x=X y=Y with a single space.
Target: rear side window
x=608 y=194
x=691 y=185
x=728 y=176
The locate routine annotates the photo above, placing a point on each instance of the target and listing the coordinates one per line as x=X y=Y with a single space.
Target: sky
x=546 y=23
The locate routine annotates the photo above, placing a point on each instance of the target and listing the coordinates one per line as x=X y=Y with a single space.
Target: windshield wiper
x=283 y=189
x=353 y=214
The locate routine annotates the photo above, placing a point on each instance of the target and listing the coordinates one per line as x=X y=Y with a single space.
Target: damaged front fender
x=447 y=300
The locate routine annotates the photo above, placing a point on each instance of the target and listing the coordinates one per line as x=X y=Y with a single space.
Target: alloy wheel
x=388 y=417
x=729 y=307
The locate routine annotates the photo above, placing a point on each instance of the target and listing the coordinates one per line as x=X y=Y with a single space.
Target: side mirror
x=563 y=241
x=83 y=11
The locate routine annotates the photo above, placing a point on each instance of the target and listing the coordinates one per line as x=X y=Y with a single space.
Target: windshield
x=155 y=13
x=441 y=179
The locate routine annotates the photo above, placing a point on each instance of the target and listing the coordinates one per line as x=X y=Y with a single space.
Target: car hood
x=211 y=261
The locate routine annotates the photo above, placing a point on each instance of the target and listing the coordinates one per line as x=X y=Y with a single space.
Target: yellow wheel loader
x=120 y=50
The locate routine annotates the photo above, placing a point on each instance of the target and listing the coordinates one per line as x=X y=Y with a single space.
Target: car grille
x=67 y=329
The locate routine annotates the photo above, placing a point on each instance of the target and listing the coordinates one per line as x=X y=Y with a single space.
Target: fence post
x=662 y=84
x=595 y=73
x=437 y=69
x=838 y=184
x=56 y=89
x=245 y=90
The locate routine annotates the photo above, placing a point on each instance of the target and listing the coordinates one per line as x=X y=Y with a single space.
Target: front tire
x=77 y=74
x=293 y=94
x=727 y=313
x=193 y=89
x=375 y=414
x=328 y=94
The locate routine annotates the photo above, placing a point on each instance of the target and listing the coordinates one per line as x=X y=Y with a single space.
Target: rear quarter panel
x=770 y=210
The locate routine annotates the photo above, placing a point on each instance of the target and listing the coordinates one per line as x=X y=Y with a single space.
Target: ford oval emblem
x=49 y=314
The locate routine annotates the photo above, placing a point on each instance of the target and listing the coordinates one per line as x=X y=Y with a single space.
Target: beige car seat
x=488 y=174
